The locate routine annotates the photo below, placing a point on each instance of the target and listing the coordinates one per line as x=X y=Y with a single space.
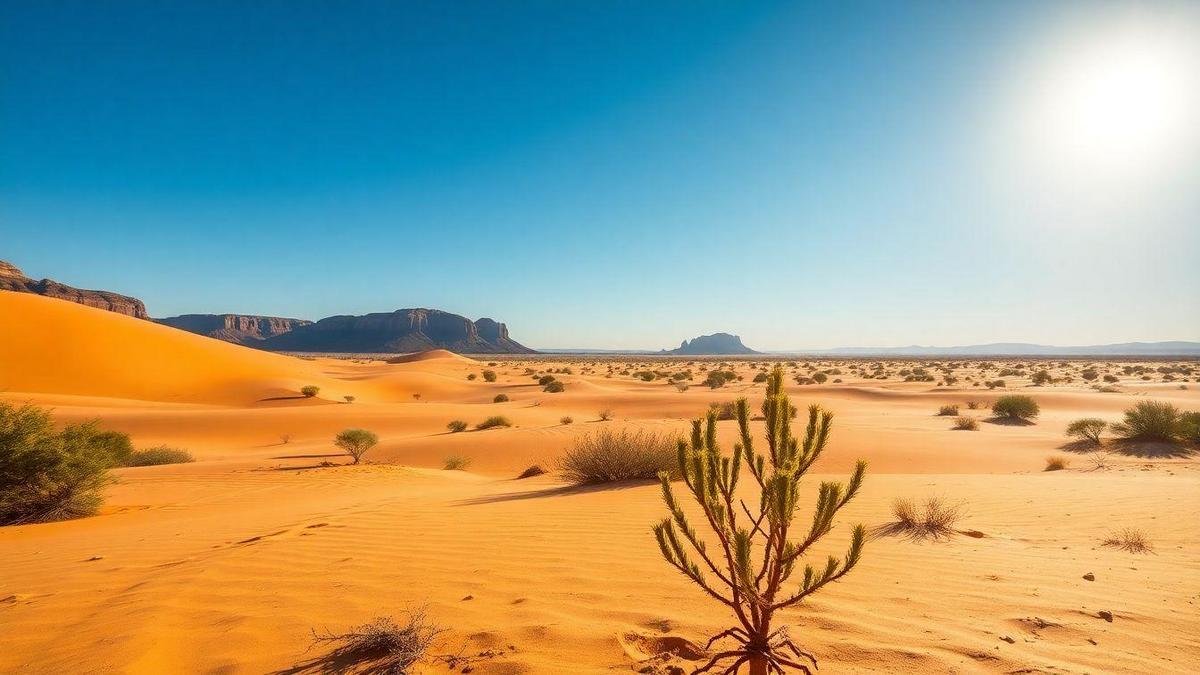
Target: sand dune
x=227 y=564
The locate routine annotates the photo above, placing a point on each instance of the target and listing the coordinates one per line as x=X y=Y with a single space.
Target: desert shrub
x=1189 y=426
x=545 y=380
x=1089 y=374
x=310 y=390
x=566 y=419
x=1110 y=378
x=381 y=646
x=159 y=454
x=1129 y=539
x=963 y=423
x=532 y=471
x=605 y=414
x=493 y=422
x=1056 y=463
x=456 y=463
x=500 y=398
x=356 y=442
x=995 y=383
x=471 y=376
x=935 y=519
x=555 y=387
x=820 y=378
x=948 y=410
x=46 y=474
x=456 y=426
x=760 y=377
x=1087 y=429
x=1016 y=407
x=489 y=376
x=112 y=447
x=1042 y=377
x=607 y=455
x=723 y=411
x=1151 y=421
x=348 y=398
x=972 y=405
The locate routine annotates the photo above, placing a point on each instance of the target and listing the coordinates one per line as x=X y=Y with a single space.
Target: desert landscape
x=231 y=562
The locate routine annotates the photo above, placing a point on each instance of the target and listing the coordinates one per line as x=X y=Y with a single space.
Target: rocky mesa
x=13 y=279
x=404 y=330
x=244 y=329
x=716 y=344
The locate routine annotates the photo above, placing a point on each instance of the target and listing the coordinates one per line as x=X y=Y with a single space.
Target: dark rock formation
x=239 y=328
x=404 y=330
x=715 y=344
x=12 y=279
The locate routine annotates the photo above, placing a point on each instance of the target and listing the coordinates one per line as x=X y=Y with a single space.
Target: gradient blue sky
x=610 y=174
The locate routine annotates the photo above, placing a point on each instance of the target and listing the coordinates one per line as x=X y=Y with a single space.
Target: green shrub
x=49 y=475
x=1016 y=407
x=1152 y=421
x=1087 y=429
x=356 y=442
x=310 y=390
x=456 y=426
x=494 y=421
x=160 y=454
x=1189 y=423
x=500 y=398
x=609 y=455
x=456 y=463
x=489 y=376
x=1042 y=377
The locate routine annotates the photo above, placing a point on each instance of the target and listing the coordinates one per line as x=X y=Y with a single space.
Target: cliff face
x=12 y=279
x=404 y=330
x=715 y=344
x=239 y=328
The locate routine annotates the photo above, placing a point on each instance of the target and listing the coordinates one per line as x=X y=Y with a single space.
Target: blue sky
x=617 y=174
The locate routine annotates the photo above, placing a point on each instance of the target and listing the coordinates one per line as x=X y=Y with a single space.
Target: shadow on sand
x=557 y=491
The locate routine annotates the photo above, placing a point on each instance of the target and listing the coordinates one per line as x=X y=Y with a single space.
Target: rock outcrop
x=717 y=344
x=12 y=279
x=404 y=330
x=239 y=328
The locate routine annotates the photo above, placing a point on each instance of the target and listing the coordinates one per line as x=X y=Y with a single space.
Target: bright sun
x=1123 y=98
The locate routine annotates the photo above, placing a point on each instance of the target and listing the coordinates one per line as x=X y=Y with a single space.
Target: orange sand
x=226 y=564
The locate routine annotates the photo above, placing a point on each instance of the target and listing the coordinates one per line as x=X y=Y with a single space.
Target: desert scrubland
x=230 y=563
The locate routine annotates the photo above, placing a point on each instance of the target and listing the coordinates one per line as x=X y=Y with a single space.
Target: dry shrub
x=606 y=414
x=1129 y=539
x=493 y=422
x=159 y=454
x=1056 y=463
x=532 y=471
x=935 y=520
x=607 y=456
x=948 y=410
x=456 y=463
x=381 y=645
x=966 y=424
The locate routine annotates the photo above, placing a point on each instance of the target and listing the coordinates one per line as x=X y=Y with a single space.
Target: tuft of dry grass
x=964 y=423
x=456 y=463
x=935 y=519
x=532 y=471
x=382 y=645
x=1129 y=539
x=1056 y=463
x=948 y=410
x=608 y=455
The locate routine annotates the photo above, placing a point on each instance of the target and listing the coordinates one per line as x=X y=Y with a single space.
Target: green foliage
x=1087 y=429
x=757 y=554
x=50 y=475
x=1155 y=421
x=160 y=454
x=356 y=442
x=493 y=422
x=310 y=390
x=606 y=455
x=456 y=426
x=1016 y=407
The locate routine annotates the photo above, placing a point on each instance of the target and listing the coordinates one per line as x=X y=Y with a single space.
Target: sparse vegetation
x=456 y=426
x=355 y=442
x=310 y=390
x=47 y=474
x=1129 y=539
x=1056 y=463
x=500 y=398
x=381 y=646
x=752 y=584
x=349 y=398
x=489 y=376
x=493 y=422
x=935 y=519
x=160 y=454
x=964 y=423
x=605 y=415
x=555 y=387
x=566 y=419
x=1153 y=421
x=532 y=471
x=607 y=455
x=1016 y=407
x=948 y=410
x=456 y=463
x=1087 y=429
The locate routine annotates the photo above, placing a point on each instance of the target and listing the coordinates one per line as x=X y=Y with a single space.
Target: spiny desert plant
x=159 y=454
x=1087 y=429
x=310 y=390
x=493 y=422
x=456 y=426
x=47 y=474
x=963 y=423
x=607 y=455
x=456 y=463
x=757 y=554
x=1016 y=407
x=356 y=442
x=1056 y=463
x=1129 y=539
